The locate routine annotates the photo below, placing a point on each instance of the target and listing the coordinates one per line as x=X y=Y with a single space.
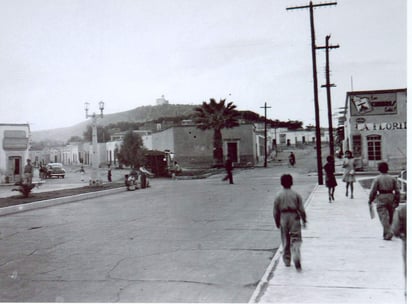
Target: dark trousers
x=229 y=176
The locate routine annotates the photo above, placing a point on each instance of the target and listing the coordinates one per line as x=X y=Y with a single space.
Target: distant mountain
x=140 y=114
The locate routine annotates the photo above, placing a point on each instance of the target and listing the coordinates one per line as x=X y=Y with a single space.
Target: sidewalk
x=344 y=257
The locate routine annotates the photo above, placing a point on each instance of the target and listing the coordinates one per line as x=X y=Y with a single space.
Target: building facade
x=194 y=147
x=15 y=144
x=375 y=128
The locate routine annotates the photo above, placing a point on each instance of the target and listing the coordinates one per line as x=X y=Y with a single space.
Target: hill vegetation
x=145 y=117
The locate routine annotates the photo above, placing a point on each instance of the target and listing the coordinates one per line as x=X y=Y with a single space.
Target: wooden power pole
x=315 y=84
x=266 y=137
x=328 y=85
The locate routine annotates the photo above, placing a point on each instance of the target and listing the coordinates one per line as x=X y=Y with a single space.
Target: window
x=374 y=147
x=357 y=146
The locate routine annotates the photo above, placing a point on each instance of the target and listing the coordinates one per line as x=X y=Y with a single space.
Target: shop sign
x=373 y=104
x=381 y=126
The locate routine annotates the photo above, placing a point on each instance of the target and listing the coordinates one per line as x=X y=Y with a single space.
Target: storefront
x=14 y=141
x=375 y=128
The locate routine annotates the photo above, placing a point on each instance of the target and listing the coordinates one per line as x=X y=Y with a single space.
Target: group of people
x=290 y=216
x=348 y=176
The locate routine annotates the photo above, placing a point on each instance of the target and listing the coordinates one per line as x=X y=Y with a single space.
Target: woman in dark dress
x=330 y=177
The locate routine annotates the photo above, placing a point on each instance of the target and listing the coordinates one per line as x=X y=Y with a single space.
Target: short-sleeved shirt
x=288 y=200
x=384 y=189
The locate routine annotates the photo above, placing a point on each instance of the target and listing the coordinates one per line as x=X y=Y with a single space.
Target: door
x=14 y=166
x=232 y=151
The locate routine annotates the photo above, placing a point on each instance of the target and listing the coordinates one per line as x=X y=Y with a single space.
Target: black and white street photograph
x=193 y=151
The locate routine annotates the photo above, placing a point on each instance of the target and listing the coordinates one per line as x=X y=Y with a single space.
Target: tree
x=132 y=151
x=75 y=139
x=103 y=134
x=216 y=116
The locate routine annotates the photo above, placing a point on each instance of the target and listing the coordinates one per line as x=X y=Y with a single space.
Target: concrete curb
x=263 y=283
x=57 y=201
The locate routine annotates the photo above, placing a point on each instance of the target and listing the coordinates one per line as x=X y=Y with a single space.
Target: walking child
x=288 y=211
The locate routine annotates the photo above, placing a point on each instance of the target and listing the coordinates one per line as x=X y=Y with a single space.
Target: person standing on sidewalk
x=330 y=177
x=349 y=172
x=385 y=193
x=288 y=211
x=229 y=168
x=28 y=172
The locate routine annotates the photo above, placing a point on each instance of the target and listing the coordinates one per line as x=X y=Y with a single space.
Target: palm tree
x=216 y=116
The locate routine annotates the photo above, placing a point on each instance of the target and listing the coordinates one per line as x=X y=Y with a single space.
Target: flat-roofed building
x=375 y=128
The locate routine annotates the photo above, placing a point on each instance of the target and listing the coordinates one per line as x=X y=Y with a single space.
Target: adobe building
x=194 y=147
x=375 y=128
x=15 y=144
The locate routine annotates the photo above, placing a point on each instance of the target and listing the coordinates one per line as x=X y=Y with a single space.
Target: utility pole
x=328 y=85
x=266 y=141
x=315 y=84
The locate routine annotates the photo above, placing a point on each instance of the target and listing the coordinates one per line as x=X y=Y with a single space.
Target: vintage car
x=55 y=169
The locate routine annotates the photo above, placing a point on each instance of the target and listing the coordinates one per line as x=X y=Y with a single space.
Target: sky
x=57 y=55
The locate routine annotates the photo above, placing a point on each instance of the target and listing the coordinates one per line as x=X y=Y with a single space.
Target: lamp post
x=95 y=161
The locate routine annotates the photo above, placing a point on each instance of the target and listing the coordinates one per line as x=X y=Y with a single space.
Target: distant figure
x=399 y=230
x=229 y=168
x=176 y=170
x=292 y=159
x=82 y=172
x=28 y=172
x=109 y=174
x=385 y=193
x=42 y=172
x=288 y=210
x=330 y=177
x=349 y=172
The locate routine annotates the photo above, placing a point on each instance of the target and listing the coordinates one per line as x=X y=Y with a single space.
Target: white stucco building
x=15 y=144
x=375 y=127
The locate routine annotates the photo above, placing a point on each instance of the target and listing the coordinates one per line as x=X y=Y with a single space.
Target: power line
x=315 y=83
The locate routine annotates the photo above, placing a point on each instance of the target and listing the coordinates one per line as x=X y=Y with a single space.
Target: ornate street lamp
x=95 y=160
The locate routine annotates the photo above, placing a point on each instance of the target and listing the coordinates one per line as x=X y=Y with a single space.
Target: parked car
x=55 y=169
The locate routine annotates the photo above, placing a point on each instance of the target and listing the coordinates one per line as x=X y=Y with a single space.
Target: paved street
x=178 y=241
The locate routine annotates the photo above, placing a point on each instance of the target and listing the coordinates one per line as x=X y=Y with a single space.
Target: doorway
x=232 y=151
x=14 y=166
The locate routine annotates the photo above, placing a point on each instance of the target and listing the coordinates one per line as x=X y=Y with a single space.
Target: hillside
x=139 y=114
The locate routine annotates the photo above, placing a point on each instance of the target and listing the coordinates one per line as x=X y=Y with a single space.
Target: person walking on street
x=330 y=178
x=385 y=193
x=109 y=174
x=349 y=172
x=229 y=168
x=292 y=159
x=82 y=172
x=288 y=211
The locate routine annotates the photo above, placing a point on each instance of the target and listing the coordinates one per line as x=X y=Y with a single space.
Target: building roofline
x=375 y=91
x=15 y=124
